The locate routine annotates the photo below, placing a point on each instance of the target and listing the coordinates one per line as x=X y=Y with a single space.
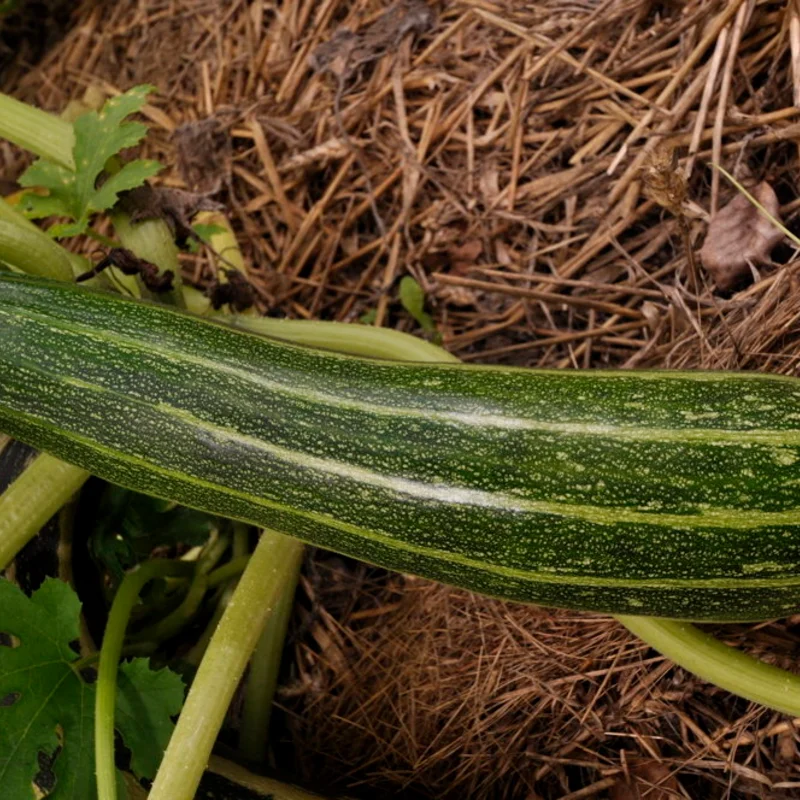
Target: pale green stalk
x=263 y=786
x=24 y=250
x=224 y=243
x=171 y=624
x=29 y=502
x=357 y=340
x=10 y=215
x=152 y=240
x=715 y=662
x=253 y=602
x=32 y=129
x=229 y=570
x=105 y=698
x=262 y=678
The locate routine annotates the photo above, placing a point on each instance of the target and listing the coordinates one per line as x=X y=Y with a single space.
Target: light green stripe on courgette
x=418 y=491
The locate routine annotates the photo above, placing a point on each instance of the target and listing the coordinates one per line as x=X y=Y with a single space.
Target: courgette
x=633 y=492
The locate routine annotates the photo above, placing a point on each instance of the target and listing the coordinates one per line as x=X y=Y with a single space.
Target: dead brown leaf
x=128 y=263
x=739 y=235
x=650 y=780
x=787 y=747
x=464 y=256
x=203 y=149
x=233 y=288
x=176 y=207
x=663 y=181
x=346 y=51
x=456 y=295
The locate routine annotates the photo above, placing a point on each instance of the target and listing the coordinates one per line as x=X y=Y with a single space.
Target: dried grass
x=422 y=690
x=504 y=156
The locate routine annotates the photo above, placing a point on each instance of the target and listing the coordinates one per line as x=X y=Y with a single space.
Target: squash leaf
x=76 y=193
x=47 y=708
x=146 y=699
x=129 y=525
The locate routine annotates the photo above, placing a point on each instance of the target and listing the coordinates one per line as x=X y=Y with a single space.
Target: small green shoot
x=412 y=298
x=77 y=194
x=204 y=232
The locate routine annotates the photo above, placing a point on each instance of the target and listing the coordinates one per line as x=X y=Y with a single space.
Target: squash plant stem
x=39 y=492
x=254 y=600
x=40 y=132
x=715 y=662
x=262 y=677
x=124 y=600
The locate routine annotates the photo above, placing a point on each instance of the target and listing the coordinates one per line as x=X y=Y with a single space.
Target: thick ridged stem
x=268 y=787
x=356 y=340
x=10 y=215
x=152 y=240
x=715 y=662
x=26 y=251
x=253 y=602
x=262 y=678
x=32 y=129
x=29 y=502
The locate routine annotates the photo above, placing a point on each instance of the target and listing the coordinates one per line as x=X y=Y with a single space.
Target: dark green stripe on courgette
x=668 y=494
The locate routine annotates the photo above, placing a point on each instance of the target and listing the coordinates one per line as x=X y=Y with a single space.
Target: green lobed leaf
x=98 y=137
x=44 y=704
x=133 y=174
x=129 y=525
x=47 y=709
x=36 y=206
x=146 y=701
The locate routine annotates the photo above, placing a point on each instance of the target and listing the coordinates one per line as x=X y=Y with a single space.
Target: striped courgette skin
x=666 y=494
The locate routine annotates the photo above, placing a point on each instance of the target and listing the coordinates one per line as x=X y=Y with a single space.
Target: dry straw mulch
x=544 y=170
